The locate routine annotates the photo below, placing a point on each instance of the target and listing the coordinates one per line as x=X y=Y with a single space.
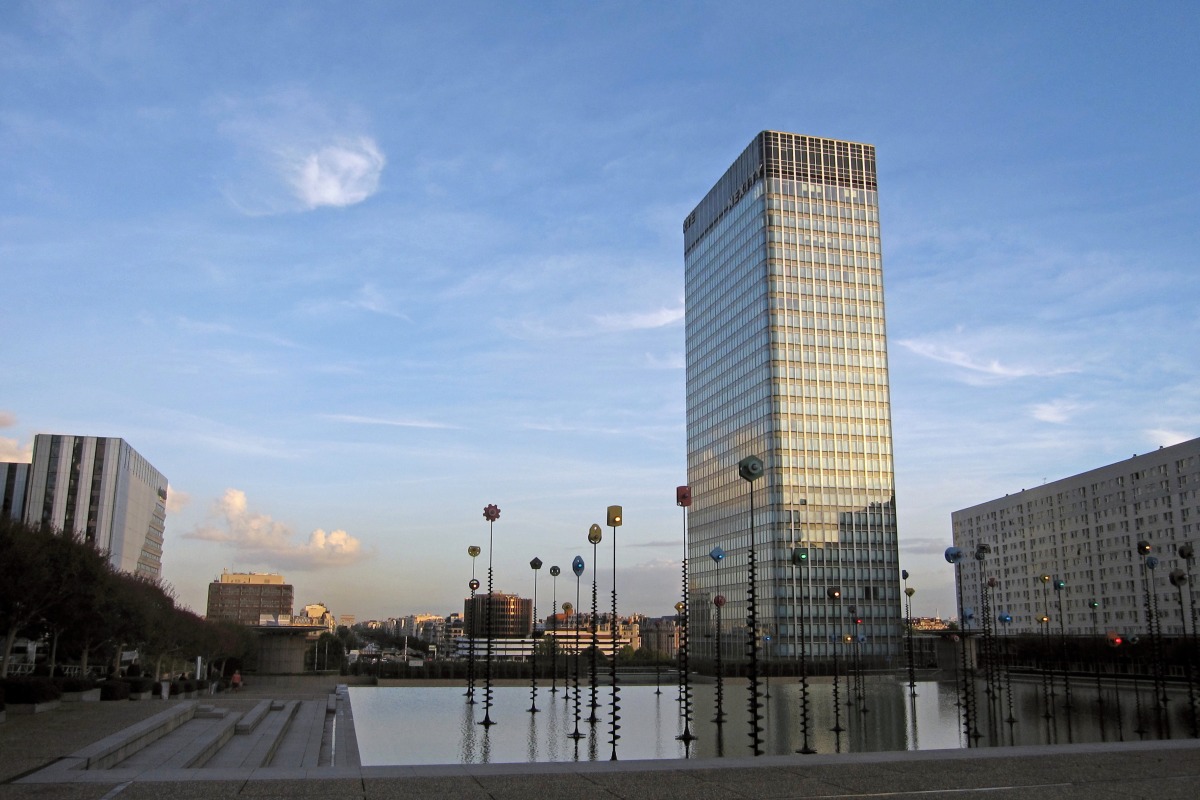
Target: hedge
x=30 y=690
x=75 y=684
x=114 y=690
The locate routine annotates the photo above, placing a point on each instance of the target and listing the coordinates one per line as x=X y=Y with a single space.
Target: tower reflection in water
x=424 y=725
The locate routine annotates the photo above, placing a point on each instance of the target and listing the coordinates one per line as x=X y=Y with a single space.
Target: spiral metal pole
x=720 y=717
x=616 y=689
x=487 y=690
x=577 y=735
x=805 y=747
x=967 y=672
x=593 y=677
x=685 y=683
x=837 y=698
x=533 y=709
x=554 y=628
x=755 y=703
x=471 y=639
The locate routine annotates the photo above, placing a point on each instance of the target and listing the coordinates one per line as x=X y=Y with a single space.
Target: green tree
x=29 y=588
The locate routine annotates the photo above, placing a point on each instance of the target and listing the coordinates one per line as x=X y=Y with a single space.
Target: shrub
x=114 y=690
x=31 y=690
x=75 y=684
x=140 y=685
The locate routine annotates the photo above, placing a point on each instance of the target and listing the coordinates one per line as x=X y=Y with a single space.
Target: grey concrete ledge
x=797 y=764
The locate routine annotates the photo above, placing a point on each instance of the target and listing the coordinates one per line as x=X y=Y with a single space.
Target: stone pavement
x=1159 y=770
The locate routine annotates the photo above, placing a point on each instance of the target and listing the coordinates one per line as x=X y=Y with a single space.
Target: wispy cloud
x=297 y=153
x=395 y=423
x=224 y=329
x=258 y=537
x=369 y=298
x=1166 y=438
x=637 y=321
x=924 y=546
x=338 y=174
x=990 y=368
x=1055 y=411
x=7 y=419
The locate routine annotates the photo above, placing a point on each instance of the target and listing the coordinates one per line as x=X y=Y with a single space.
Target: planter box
x=90 y=696
x=32 y=708
x=141 y=695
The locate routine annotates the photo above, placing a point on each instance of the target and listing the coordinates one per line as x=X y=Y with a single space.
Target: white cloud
x=1055 y=411
x=12 y=450
x=261 y=538
x=990 y=368
x=637 y=321
x=395 y=423
x=176 y=500
x=1166 y=438
x=340 y=174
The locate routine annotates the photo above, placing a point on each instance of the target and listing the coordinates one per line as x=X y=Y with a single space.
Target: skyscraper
x=105 y=492
x=787 y=361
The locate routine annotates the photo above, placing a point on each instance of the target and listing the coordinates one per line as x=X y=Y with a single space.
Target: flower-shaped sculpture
x=473 y=584
x=577 y=566
x=595 y=534
x=716 y=554
x=491 y=512
x=555 y=572
x=719 y=601
x=473 y=550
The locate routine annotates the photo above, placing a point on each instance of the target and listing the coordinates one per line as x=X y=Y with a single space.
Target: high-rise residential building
x=249 y=597
x=1055 y=549
x=102 y=490
x=787 y=361
x=14 y=477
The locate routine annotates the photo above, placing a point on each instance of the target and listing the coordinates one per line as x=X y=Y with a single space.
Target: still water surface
x=434 y=725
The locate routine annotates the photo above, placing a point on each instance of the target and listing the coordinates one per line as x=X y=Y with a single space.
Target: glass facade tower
x=787 y=360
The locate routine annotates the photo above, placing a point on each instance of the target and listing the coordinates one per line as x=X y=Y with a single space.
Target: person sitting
x=236 y=680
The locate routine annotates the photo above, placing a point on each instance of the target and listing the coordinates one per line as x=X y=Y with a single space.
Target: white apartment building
x=105 y=492
x=1084 y=531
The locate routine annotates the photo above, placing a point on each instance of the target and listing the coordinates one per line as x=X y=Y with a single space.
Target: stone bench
x=121 y=745
x=203 y=747
x=251 y=718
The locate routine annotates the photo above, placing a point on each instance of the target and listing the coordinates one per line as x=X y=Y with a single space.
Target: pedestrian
x=236 y=680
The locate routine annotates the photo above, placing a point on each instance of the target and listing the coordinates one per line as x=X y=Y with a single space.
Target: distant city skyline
x=347 y=276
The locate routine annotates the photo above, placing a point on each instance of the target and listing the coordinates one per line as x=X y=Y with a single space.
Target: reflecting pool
x=434 y=725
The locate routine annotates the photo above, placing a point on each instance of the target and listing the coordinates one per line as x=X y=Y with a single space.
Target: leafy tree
x=29 y=588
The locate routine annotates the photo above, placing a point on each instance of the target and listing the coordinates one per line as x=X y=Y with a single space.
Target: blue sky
x=347 y=273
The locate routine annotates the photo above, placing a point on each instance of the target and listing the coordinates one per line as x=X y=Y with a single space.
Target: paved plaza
x=304 y=732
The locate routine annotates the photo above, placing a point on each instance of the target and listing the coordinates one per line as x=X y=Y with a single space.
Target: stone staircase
x=204 y=741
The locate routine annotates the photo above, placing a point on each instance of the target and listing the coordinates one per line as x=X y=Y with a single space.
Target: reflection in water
x=409 y=725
